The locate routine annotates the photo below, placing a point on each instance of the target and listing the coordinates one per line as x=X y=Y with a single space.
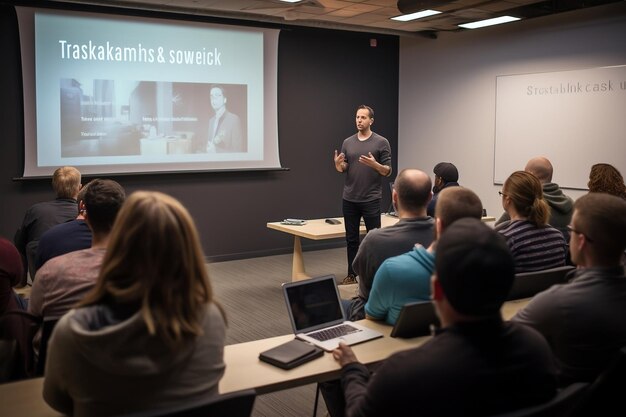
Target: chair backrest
x=46 y=332
x=605 y=396
x=8 y=352
x=527 y=284
x=559 y=406
x=415 y=319
x=31 y=258
x=236 y=404
x=20 y=326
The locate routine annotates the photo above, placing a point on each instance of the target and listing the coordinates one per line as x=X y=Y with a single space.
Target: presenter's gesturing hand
x=340 y=161
x=371 y=162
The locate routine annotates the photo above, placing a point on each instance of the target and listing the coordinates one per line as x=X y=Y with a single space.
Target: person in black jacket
x=476 y=364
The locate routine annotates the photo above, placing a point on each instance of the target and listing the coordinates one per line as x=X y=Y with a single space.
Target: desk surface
x=243 y=368
x=318 y=229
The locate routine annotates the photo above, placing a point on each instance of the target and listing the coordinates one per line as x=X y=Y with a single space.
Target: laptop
x=317 y=316
x=416 y=319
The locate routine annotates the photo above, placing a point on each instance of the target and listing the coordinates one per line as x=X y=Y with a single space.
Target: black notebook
x=291 y=354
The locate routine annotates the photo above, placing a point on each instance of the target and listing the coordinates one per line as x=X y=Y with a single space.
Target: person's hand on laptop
x=344 y=355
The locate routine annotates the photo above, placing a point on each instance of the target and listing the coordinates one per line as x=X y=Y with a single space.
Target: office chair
x=8 y=352
x=559 y=406
x=20 y=326
x=31 y=257
x=236 y=404
x=46 y=332
x=605 y=396
x=527 y=284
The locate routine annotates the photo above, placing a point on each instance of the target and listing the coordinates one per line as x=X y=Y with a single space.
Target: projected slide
x=115 y=94
x=115 y=118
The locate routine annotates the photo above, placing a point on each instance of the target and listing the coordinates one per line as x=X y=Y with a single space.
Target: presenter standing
x=365 y=157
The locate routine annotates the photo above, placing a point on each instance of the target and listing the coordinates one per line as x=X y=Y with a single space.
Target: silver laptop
x=317 y=317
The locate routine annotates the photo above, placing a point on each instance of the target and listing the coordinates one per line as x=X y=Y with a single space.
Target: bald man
x=411 y=195
x=561 y=206
x=406 y=278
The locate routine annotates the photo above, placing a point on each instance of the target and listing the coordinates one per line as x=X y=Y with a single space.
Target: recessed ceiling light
x=416 y=15
x=291 y=1
x=489 y=22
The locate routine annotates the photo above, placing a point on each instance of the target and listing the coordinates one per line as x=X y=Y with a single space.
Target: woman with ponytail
x=535 y=245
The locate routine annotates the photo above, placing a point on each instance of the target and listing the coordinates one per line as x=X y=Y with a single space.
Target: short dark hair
x=413 y=195
x=103 y=199
x=474 y=267
x=368 y=108
x=602 y=218
x=456 y=203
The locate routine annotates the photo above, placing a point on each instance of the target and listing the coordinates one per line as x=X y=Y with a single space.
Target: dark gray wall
x=322 y=77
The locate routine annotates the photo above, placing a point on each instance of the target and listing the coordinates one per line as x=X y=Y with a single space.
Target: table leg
x=297 y=271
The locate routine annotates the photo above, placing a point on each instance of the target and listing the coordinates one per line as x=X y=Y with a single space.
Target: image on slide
x=119 y=118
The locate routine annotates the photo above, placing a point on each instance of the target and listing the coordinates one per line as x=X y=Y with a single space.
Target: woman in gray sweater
x=149 y=335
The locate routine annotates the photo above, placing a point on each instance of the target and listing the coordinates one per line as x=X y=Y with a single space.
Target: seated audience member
x=19 y=364
x=406 y=278
x=561 y=206
x=66 y=237
x=535 y=244
x=42 y=216
x=476 y=364
x=150 y=334
x=583 y=320
x=605 y=178
x=410 y=195
x=11 y=272
x=64 y=280
x=446 y=175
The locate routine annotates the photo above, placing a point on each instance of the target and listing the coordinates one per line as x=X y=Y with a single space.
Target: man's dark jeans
x=352 y=213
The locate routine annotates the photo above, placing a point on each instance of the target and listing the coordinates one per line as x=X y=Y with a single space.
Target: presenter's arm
x=340 y=161
x=370 y=161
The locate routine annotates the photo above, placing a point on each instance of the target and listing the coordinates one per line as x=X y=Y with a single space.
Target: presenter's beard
x=436 y=189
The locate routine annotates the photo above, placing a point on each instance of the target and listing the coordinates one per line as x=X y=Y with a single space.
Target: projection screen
x=118 y=94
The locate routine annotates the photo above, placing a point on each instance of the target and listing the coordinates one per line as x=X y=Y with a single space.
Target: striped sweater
x=534 y=248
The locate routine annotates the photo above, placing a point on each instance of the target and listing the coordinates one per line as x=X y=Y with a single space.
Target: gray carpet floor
x=250 y=292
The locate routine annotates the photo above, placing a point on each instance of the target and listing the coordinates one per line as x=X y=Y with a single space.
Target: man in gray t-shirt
x=365 y=157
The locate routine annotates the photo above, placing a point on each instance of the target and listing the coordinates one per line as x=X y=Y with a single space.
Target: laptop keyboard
x=333 y=332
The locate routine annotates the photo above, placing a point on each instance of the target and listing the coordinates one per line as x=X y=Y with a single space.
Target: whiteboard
x=574 y=118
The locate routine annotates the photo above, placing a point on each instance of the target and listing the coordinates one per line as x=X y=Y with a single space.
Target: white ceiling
x=358 y=15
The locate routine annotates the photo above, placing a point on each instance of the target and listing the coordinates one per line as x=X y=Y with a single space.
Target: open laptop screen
x=313 y=303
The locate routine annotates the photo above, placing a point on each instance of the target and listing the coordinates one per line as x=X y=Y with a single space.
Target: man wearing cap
x=446 y=175
x=583 y=320
x=406 y=278
x=476 y=364
x=561 y=206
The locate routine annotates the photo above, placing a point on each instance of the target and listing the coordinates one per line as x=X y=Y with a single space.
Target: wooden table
x=244 y=370
x=318 y=229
